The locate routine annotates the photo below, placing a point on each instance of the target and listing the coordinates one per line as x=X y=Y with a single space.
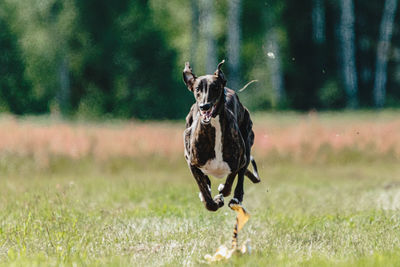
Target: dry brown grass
x=303 y=137
x=311 y=136
x=27 y=138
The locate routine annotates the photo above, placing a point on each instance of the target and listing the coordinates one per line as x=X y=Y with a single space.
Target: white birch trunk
x=64 y=93
x=194 y=34
x=274 y=66
x=233 y=44
x=318 y=21
x=348 y=62
x=208 y=15
x=385 y=35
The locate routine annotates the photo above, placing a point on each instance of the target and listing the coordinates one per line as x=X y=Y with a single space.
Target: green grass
x=144 y=212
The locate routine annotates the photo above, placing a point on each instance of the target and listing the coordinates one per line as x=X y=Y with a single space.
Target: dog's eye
x=197 y=89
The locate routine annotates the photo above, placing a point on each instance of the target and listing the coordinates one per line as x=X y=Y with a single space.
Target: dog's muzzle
x=206 y=112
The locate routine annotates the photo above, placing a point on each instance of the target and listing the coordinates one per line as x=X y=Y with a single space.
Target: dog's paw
x=212 y=206
x=219 y=199
x=234 y=201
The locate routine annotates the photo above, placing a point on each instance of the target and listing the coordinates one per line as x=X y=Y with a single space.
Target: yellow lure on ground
x=223 y=252
x=242 y=216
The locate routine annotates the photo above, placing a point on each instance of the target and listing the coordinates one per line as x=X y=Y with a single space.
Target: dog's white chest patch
x=216 y=167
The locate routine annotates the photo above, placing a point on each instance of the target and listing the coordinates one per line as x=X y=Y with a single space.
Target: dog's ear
x=220 y=74
x=188 y=76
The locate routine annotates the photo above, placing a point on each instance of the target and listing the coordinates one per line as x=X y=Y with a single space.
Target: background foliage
x=124 y=58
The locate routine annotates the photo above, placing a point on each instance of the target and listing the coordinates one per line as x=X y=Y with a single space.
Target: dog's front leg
x=238 y=195
x=202 y=182
x=225 y=189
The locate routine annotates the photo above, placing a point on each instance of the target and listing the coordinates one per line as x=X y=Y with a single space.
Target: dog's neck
x=221 y=104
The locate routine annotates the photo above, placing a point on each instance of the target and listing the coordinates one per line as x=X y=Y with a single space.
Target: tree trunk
x=274 y=66
x=348 y=62
x=63 y=94
x=233 y=43
x=318 y=21
x=194 y=34
x=385 y=35
x=207 y=18
x=64 y=91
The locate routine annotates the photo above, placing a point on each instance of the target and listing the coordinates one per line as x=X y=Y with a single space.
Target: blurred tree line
x=124 y=58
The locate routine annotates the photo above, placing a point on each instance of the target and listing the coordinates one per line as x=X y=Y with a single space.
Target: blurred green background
x=124 y=58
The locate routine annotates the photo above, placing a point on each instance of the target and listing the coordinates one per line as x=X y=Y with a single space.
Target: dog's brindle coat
x=218 y=137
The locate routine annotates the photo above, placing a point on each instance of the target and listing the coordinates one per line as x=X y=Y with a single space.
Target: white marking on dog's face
x=207 y=90
x=217 y=167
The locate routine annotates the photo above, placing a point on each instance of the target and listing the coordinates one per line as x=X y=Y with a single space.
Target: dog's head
x=207 y=90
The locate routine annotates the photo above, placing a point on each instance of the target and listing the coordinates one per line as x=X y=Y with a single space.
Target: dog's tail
x=253 y=176
x=247 y=84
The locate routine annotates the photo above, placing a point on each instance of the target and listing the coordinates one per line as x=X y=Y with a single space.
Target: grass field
x=79 y=194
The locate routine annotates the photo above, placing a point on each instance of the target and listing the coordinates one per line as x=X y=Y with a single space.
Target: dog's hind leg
x=253 y=176
x=255 y=170
x=203 y=183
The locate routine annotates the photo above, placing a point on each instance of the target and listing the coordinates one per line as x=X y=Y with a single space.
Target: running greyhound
x=218 y=137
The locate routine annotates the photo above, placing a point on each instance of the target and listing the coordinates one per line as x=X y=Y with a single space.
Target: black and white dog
x=218 y=137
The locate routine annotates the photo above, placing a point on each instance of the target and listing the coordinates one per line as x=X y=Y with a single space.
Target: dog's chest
x=216 y=166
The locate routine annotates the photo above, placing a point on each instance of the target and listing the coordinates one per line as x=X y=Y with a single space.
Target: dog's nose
x=205 y=107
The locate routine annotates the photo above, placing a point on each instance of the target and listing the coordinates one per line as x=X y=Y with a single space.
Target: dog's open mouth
x=206 y=115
